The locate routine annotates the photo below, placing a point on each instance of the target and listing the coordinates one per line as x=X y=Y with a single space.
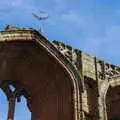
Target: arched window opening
x=113 y=103
x=3 y=106
x=22 y=111
x=15 y=95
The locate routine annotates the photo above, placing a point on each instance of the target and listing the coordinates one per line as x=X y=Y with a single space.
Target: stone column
x=11 y=108
x=103 y=87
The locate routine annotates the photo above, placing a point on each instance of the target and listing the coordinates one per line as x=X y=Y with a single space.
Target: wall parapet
x=86 y=64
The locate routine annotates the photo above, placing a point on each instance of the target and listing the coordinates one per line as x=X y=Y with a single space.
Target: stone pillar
x=11 y=108
x=103 y=87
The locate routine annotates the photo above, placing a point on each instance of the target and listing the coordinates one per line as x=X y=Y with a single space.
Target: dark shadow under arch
x=113 y=103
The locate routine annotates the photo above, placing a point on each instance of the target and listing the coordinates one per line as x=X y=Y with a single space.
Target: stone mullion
x=101 y=108
x=11 y=109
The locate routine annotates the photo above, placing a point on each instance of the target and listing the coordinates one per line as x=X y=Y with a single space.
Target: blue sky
x=21 y=110
x=90 y=25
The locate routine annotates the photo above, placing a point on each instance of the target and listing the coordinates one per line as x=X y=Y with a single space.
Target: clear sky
x=90 y=25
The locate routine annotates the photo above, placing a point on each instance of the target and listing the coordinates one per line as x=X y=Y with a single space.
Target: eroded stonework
x=103 y=74
x=90 y=65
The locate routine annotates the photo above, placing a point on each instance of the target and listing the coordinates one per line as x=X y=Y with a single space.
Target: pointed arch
x=69 y=72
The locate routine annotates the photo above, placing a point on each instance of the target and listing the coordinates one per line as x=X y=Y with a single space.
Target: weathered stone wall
x=64 y=83
x=28 y=58
x=101 y=73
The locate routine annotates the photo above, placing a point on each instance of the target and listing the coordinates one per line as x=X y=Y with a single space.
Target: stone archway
x=112 y=99
x=106 y=88
x=53 y=83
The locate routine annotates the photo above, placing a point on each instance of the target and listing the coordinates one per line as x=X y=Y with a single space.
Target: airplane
x=40 y=17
